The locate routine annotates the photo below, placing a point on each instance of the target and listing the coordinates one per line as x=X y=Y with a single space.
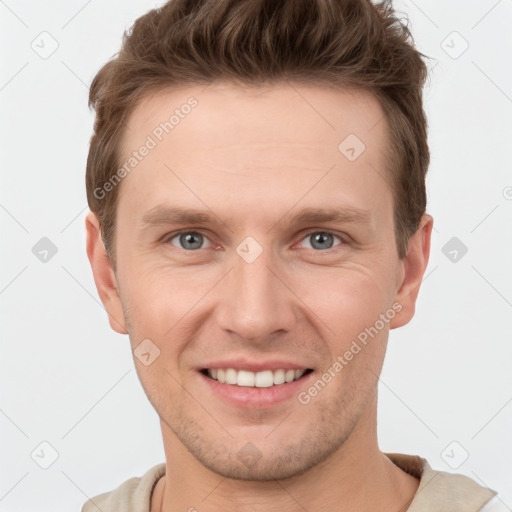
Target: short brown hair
x=338 y=43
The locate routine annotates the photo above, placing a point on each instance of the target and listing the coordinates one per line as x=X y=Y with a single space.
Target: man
x=285 y=141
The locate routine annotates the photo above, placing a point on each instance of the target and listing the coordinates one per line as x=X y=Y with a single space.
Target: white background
x=69 y=380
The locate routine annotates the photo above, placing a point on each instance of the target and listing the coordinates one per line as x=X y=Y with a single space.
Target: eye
x=192 y=240
x=321 y=240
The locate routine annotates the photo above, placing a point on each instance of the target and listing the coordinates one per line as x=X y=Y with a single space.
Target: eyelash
x=171 y=236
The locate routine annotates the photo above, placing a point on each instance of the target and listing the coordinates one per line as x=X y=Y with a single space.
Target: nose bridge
x=256 y=303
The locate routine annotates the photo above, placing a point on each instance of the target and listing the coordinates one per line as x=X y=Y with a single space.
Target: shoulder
x=133 y=495
x=445 y=491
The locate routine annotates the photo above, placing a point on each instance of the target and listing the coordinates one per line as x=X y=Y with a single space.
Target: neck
x=357 y=477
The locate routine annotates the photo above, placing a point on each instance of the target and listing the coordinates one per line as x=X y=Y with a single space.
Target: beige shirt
x=438 y=491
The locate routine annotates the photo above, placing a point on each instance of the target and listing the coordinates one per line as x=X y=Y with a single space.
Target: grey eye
x=321 y=240
x=189 y=240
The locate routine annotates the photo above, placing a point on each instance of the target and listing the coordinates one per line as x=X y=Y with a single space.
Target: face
x=261 y=278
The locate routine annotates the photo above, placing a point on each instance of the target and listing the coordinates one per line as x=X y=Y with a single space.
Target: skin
x=253 y=158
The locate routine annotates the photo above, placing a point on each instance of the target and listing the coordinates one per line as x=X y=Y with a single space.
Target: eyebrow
x=169 y=215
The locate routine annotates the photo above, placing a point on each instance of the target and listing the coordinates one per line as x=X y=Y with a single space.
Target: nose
x=255 y=301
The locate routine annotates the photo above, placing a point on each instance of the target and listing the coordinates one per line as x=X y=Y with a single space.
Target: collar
x=440 y=490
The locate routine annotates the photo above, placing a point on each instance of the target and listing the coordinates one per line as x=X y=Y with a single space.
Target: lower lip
x=256 y=398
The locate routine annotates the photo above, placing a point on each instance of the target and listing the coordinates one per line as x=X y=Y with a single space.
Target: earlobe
x=413 y=268
x=104 y=276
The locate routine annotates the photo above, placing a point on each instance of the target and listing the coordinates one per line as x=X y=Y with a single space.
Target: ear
x=413 y=267
x=104 y=275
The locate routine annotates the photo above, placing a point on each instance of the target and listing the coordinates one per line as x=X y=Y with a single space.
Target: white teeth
x=245 y=378
x=230 y=376
x=289 y=375
x=264 y=379
x=279 y=377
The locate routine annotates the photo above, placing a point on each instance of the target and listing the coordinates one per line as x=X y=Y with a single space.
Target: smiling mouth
x=263 y=379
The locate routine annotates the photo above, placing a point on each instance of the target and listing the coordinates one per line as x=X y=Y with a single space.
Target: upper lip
x=253 y=366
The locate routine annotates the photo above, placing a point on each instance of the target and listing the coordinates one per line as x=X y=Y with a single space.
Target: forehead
x=283 y=141
x=258 y=114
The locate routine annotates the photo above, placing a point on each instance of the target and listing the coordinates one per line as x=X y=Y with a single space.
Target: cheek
x=346 y=297
x=166 y=306
x=347 y=309
x=162 y=295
